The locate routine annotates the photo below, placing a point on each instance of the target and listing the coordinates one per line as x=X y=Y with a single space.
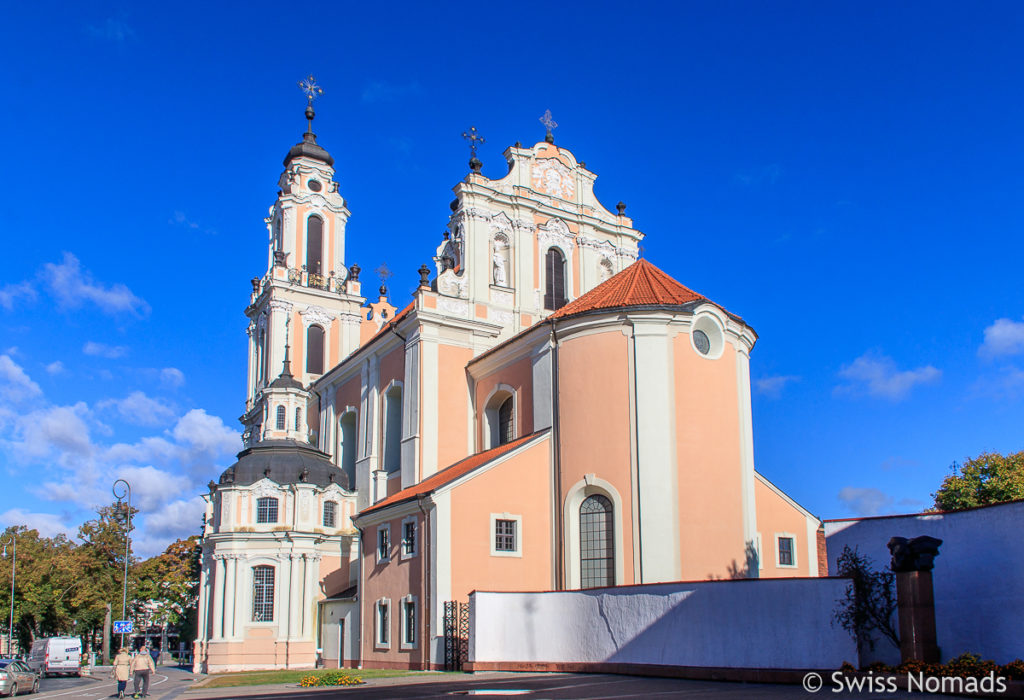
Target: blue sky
x=845 y=176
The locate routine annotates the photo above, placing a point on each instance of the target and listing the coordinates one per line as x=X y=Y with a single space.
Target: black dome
x=309 y=148
x=284 y=462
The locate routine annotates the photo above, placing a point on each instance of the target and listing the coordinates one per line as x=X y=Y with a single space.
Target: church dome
x=284 y=462
x=308 y=147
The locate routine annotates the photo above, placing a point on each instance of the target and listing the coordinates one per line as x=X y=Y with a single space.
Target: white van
x=56 y=655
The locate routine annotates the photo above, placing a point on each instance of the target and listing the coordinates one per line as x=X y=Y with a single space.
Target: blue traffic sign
x=122 y=627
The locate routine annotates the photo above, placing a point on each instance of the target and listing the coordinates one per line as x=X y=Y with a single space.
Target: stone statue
x=500 y=277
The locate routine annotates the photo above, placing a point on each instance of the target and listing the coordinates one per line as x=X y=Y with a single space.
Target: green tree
x=988 y=478
x=168 y=584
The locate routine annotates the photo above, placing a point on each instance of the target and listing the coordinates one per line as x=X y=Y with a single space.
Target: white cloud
x=111 y=352
x=139 y=409
x=1004 y=337
x=56 y=431
x=876 y=375
x=48 y=524
x=15 y=385
x=72 y=286
x=10 y=293
x=864 y=501
x=206 y=433
x=772 y=386
x=152 y=487
x=56 y=367
x=172 y=377
x=1005 y=385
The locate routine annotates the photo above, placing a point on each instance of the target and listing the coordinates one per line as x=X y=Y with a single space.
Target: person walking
x=142 y=666
x=121 y=671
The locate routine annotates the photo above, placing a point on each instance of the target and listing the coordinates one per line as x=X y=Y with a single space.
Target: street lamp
x=11 y=540
x=126 y=490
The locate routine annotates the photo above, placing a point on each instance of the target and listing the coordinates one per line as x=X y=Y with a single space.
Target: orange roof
x=640 y=284
x=450 y=474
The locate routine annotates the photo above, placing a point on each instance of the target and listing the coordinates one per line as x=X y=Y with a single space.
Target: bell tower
x=307 y=304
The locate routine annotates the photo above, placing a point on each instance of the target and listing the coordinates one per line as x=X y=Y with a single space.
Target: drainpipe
x=557 y=444
x=427 y=608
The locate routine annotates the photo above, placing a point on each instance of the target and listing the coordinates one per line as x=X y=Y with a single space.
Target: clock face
x=314 y=185
x=550 y=176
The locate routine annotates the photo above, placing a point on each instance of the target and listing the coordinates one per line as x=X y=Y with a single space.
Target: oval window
x=701 y=341
x=314 y=185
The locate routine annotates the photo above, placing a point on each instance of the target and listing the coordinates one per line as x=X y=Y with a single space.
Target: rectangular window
x=786 y=554
x=263 y=594
x=330 y=508
x=383 y=543
x=504 y=535
x=266 y=510
x=409 y=622
x=409 y=538
x=382 y=623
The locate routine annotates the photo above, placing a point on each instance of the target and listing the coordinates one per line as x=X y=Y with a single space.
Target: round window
x=700 y=339
x=314 y=185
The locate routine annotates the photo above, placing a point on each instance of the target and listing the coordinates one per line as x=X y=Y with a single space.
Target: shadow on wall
x=751 y=565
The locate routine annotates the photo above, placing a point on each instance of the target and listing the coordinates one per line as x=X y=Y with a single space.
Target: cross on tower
x=474 y=140
x=312 y=91
x=550 y=124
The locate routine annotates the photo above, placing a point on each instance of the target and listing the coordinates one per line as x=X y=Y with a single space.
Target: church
x=549 y=411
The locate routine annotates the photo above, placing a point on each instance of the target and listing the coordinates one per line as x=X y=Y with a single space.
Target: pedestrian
x=142 y=666
x=154 y=651
x=121 y=670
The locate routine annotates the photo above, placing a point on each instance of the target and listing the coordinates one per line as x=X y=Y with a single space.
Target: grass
x=242 y=678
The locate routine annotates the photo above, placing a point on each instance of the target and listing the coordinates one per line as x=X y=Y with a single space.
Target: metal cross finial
x=550 y=124
x=311 y=89
x=474 y=139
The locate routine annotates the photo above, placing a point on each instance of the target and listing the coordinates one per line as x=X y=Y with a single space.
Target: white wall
x=780 y=624
x=978 y=575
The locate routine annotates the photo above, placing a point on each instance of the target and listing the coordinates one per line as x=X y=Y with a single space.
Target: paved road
x=538 y=687
x=167 y=682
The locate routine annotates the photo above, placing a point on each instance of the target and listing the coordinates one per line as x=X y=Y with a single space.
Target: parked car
x=16 y=677
x=56 y=655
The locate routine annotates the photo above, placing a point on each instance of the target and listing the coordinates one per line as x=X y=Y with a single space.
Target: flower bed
x=330 y=678
x=963 y=666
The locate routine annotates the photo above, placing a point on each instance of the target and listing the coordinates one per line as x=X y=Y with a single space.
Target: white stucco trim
x=708 y=319
x=590 y=485
x=377 y=642
x=518 y=520
x=812 y=546
x=796 y=550
x=403 y=626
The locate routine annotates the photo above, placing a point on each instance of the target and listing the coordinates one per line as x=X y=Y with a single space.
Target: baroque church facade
x=548 y=412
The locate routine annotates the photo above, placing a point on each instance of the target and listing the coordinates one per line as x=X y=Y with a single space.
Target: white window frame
x=492 y=427
x=377 y=643
x=386 y=529
x=403 y=627
x=518 y=519
x=335 y=514
x=415 y=538
x=778 y=558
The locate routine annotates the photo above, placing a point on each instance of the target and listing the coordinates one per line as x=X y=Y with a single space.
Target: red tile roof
x=640 y=284
x=450 y=474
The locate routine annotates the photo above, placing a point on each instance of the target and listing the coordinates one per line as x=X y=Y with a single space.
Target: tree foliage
x=63 y=586
x=870 y=601
x=988 y=478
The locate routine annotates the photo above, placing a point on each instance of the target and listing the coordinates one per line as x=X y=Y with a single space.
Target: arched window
x=314 y=244
x=330 y=513
x=554 y=270
x=277 y=234
x=347 y=448
x=315 y=349
x=261 y=349
x=280 y=418
x=263 y=594
x=506 y=426
x=393 y=429
x=597 y=546
x=298 y=418
x=266 y=510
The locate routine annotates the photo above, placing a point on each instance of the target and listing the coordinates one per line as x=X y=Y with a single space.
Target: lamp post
x=13 y=541
x=125 y=490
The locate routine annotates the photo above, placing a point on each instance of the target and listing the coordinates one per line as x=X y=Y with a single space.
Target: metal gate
x=456 y=635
